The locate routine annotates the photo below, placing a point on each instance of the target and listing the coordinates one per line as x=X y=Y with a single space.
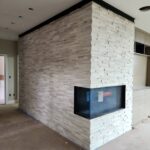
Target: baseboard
x=11 y=102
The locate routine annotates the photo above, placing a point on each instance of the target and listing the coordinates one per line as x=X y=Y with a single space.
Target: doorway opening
x=2 y=80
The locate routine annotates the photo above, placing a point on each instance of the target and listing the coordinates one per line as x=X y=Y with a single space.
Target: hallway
x=20 y=132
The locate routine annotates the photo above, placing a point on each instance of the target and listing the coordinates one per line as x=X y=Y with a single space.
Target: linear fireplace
x=92 y=103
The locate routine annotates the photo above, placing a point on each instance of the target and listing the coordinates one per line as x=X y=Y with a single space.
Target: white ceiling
x=44 y=9
x=131 y=7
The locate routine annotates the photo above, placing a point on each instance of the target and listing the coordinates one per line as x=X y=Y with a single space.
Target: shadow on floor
x=20 y=132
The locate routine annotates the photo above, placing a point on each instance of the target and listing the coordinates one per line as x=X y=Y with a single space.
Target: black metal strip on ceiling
x=113 y=9
x=75 y=7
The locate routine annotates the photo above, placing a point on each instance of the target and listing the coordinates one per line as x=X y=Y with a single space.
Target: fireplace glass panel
x=91 y=103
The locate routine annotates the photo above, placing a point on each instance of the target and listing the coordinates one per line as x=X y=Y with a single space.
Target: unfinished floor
x=20 y=132
x=137 y=139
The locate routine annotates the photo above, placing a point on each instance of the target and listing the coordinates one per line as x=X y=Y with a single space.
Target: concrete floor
x=20 y=132
x=137 y=139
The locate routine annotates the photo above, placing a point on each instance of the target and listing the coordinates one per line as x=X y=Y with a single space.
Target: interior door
x=2 y=80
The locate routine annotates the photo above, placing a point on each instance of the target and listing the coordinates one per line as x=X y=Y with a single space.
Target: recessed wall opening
x=141 y=77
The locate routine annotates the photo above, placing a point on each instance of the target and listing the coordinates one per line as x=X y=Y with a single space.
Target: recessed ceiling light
x=145 y=8
x=31 y=9
x=20 y=17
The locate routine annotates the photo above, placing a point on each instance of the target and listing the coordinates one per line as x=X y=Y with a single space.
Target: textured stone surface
x=91 y=47
x=111 y=64
x=53 y=60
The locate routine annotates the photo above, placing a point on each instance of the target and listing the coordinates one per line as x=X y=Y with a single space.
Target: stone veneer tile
x=111 y=64
x=90 y=47
x=53 y=60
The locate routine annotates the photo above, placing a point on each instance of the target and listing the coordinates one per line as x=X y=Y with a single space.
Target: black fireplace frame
x=81 y=90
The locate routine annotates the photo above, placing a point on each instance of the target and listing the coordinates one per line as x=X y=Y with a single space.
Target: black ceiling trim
x=75 y=7
x=65 y=12
x=113 y=9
